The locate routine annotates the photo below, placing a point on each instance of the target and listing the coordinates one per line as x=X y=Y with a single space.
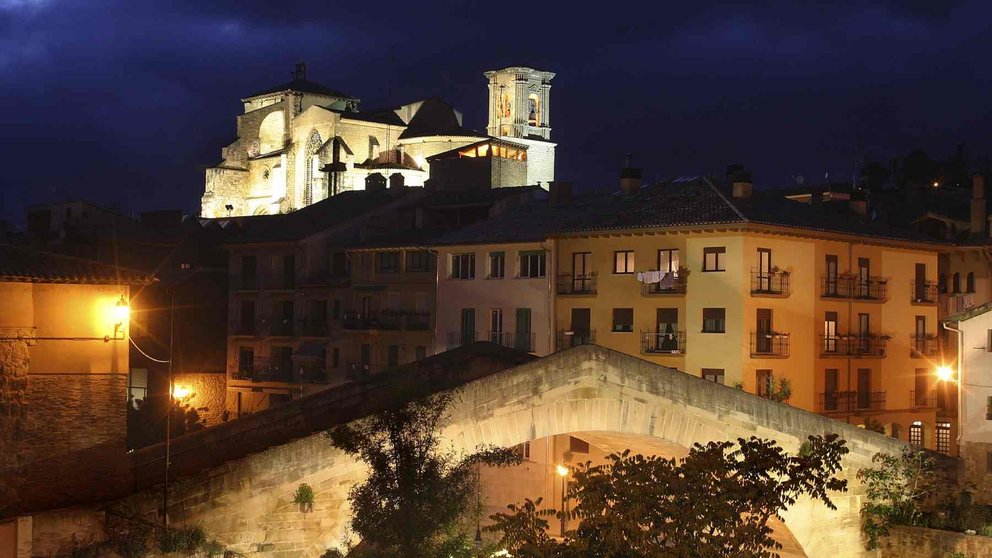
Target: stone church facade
x=301 y=142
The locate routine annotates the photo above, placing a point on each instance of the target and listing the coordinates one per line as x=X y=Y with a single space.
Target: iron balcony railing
x=522 y=341
x=569 y=339
x=281 y=326
x=924 y=292
x=311 y=371
x=873 y=289
x=850 y=401
x=264 y=369
x=244 y=327
x=323 y=278
x=371 y=320
x=769 y=344
x=316 y=327
x=418 y=321
x=576 y=284
x=945 y=402
x=460 y=338
x=674 y=287
x=862 y=346
x=924 y=346
x=663 y=342
x=358 y=370
x=773 y=283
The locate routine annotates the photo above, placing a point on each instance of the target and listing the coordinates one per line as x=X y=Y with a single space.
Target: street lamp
x=563 y=473
x=945 y=373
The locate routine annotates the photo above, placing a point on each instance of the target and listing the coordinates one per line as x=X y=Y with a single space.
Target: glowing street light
x=180 y=392
x=562 y=471
x=945 y=373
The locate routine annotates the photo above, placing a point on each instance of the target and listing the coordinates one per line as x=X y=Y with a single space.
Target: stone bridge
x=607 y=398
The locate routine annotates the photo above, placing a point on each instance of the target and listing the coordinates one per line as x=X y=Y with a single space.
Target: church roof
x=435 y=118
x=385 y=116
x=301 y=85
x=22 y=265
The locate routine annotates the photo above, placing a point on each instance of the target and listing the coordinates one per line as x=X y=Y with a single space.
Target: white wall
x=977 y=374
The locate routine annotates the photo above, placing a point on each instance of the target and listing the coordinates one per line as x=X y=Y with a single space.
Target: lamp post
x=563 y=473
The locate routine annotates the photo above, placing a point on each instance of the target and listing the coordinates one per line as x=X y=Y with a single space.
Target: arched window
x=942 y=283
x=956 y=282
x=271 y=132
x=970 y=282
x=895 y=430
x=534 y=110
x=504 y=105
x=916 y=433
x=312 y=173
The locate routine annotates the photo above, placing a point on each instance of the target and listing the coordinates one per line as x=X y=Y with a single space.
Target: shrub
x=304 y=496
x=186 y=539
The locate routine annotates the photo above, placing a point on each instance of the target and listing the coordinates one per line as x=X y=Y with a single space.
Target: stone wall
x=224 y=186
x=207 y=393
x=916 y=542
x=14 y=419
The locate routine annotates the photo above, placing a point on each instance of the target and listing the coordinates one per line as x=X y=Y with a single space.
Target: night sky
x=125 y=102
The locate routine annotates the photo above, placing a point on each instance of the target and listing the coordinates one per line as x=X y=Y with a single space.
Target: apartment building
x=749 y=288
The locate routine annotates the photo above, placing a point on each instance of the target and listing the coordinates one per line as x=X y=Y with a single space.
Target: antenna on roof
x=301 y=71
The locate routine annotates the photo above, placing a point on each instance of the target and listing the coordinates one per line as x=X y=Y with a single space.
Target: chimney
x=375 y=182
x=396 y=181
x=740 y=179
x=978 y=213
x=559 y=192
x=858 y=204
x=630 y=178
x=301 y=71
x=816 y=197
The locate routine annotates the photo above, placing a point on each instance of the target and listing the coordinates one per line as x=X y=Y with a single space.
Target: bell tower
x=519 y=104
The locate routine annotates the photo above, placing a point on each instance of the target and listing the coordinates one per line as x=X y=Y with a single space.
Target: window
x=246 y=360
x=421 y=352
x=523 y=336
x=714 y=320
x=714 y=258
x=522 y=450
x=495 y=325
x=497 y=265
x=336 y=311
x=335 y=357
x=956 y=282
x=463 y=266
x=289 y=272
x=623 y=319
x=668 y=261
x=988 y=408
x=944 y=437
x=137 y=385
x=916 y=433
x=387 y=262
x=988 y=341
x=623 y=261
x=467 y=332
x=532 y=264
x=714 y=375
x=896 y=430
x=248 y=272
x=969 y=284
x=419 y=260
x=577 y=445
x=394 y=355
x=763 y=383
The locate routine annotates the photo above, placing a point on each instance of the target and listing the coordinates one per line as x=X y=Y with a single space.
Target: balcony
x=358 y=370
x=857 y=346
x=243 y=327
x=523 y=341
x=924 y=346
x=846 y=402
x=924 y=293
x=769 y=344
x=245 y=283
x=460 y=338
x=417 y=321
x=872 y=289
x=663 y=343
x=371 y=320
x=677 y=286
x=310 y=372
x=314 y=328
x=770 y=283
x=262 y=369
x=324 y=278
x=569 y=339
x=281 y=327
x=584 y=284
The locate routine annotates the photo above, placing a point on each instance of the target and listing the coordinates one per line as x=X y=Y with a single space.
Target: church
x=301 y=142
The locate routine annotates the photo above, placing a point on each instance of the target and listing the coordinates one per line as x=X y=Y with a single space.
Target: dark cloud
x=127 y=102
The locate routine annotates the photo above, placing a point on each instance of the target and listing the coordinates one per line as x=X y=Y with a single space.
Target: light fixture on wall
x=119 y=314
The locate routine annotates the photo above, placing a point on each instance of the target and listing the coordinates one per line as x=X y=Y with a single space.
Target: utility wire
x=149 y=357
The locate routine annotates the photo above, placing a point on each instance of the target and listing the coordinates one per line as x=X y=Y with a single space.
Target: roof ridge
x=713 y=187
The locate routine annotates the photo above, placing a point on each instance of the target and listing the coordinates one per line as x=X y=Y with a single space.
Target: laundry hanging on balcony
x=650 y=277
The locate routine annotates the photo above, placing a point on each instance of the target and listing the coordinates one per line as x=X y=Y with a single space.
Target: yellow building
x=749 y=289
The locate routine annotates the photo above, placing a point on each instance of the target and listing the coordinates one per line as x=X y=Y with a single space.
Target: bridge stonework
x=247 y=503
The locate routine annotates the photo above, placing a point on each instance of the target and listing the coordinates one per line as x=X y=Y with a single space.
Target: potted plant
x=304 y=497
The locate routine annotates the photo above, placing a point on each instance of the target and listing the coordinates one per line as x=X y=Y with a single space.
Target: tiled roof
x=303 y=86
x=386 y=116
x=435 y=118
x=24 y=265
x=969 y=313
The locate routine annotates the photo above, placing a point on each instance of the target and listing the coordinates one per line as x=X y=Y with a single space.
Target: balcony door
x=830 y=332
x=864 y=333
x=831 y=280
x=830 y=385
x=496 y=325
x=864 y=277
x=920 y=282
x=864 y=388
x=467 y=333
x=764 y=270
x=581 y=271
x=920 y=334
x=580 y=326
x=763 y=329
x=667 y=334
x=523 y=330
x=921 y=394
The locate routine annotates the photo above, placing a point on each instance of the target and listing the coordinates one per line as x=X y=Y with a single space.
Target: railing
x=568 y=339
x=944 y=402
x=264 y=369
x=850 y=401
x=244 y=327
x=864 y=346
x=769 y=343
x=569 y=284
x=310 y=372
x=924 y=346
x=282 y=327
x=773 y=283
x=678 y=286
x=460 y=338
x=666 y=343
x=418 y=321
x=314 y=328
x=323 y=278
x=358 y=370
x=871 y=289
x=388 y=320
x=523 y=341
x=924 y=293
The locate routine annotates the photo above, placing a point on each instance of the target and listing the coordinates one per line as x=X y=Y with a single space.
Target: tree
x=716 y=502
x=418 y=500
x=899 y=489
